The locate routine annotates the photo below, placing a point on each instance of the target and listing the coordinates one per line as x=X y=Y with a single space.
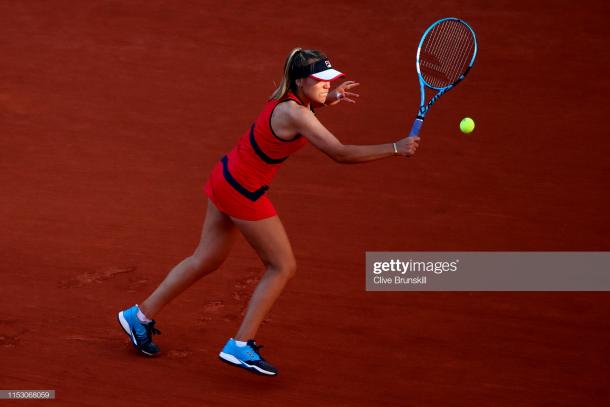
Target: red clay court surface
x=113 y=113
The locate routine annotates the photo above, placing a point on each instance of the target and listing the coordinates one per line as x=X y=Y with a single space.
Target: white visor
x=321 y=70
x=327 y=75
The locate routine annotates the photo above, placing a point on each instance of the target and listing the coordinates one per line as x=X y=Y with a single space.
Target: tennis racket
x=445 y=54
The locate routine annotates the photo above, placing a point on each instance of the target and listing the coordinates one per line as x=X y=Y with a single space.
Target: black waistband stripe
x=251 y=195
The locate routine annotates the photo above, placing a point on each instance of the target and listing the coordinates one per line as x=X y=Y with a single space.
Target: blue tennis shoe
x=247 y=357
x=140 y=332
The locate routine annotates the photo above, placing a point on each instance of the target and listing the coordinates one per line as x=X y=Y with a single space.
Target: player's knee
x=287 y=267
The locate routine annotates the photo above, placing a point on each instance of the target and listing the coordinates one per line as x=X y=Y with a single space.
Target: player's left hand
x=342 y=92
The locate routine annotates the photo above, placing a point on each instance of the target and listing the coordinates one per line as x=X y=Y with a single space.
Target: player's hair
x=297 y=58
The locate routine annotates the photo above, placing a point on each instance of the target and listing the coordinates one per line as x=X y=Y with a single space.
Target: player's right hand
x=407 y=146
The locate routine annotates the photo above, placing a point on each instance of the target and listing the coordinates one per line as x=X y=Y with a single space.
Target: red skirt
x=229 y=201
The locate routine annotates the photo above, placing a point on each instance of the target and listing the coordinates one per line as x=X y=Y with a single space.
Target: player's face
x=316 y=90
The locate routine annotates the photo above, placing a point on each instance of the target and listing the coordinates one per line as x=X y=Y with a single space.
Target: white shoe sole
x=234 y=361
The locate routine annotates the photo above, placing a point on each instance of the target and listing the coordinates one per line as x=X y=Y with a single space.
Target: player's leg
x=270 y=241
x=268 y=237
x=217 y=239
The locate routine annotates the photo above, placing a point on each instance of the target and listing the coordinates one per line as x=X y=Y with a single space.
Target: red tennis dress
x=239 y=182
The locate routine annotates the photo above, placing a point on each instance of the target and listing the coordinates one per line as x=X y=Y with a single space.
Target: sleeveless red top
x=258 y=155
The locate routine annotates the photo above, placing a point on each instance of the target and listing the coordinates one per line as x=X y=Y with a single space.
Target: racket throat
x=433 y=100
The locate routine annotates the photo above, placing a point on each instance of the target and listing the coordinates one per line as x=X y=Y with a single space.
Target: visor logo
x=328 y=65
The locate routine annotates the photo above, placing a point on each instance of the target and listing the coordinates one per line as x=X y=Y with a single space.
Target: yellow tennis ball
x=467 y=125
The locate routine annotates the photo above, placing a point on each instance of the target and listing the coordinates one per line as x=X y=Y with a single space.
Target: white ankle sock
x=241 y=343
x=142 y=317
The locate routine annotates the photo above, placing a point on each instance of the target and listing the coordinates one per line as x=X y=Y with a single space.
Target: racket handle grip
x=416 y=127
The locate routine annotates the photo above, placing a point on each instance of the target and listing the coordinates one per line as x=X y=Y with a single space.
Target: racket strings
x=446 y=53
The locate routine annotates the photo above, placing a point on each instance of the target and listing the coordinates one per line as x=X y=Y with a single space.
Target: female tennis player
x=238 y=202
